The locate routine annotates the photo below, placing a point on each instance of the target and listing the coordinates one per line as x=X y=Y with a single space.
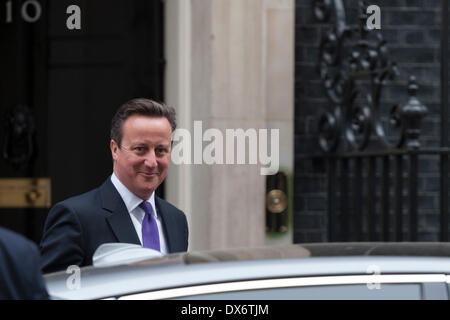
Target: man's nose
x=150 y=159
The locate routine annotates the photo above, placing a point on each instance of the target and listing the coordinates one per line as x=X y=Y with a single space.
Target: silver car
x=355 y=271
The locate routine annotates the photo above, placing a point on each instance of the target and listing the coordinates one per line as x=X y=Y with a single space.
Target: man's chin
x=145 y=192
x=149 y=185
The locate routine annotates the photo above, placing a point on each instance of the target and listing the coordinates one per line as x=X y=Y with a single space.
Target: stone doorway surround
x=230 y=64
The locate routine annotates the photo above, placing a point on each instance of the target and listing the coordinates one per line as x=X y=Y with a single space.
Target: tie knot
x=147 y=207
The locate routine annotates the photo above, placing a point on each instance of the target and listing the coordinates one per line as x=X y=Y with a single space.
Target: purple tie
x=150 y=234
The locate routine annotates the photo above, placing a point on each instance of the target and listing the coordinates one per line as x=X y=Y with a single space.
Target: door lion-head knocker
x=18 y=146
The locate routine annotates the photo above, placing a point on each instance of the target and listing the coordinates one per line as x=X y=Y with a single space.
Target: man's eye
x=139 y=149
x=161 y=150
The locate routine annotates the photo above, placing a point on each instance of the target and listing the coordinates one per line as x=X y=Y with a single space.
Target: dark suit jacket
x=20 y=272
x=76 y=227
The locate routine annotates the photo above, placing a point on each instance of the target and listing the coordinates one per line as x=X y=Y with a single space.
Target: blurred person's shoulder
x=12 y=241
x=20 y=272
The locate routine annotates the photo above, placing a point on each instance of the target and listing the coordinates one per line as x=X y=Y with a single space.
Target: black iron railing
x=373 y=187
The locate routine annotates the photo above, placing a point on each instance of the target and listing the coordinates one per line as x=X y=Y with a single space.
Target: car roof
x=412 y=249
x=193 y=268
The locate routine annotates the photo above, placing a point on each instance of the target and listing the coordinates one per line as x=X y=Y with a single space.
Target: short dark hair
x=140 y=106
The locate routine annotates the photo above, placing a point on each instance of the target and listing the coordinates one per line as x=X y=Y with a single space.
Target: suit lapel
x=120 y=221
x=167 y=222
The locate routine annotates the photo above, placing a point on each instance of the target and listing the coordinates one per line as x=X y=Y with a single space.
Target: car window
x=343 y=292
x=435 y=291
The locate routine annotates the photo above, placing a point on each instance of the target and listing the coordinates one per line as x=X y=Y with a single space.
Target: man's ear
x=114 y=148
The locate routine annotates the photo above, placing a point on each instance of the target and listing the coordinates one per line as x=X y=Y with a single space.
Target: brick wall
x=412 y=29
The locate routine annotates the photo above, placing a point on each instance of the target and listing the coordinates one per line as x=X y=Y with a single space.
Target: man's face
x=142 y=161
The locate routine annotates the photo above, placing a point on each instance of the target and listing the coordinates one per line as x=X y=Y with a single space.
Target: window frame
x=291 y=282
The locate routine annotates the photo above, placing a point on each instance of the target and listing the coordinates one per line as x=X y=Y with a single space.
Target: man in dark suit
x=20 y=272
x=125 y=208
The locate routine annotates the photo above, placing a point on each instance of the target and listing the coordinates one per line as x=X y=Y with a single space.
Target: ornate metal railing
x=347 y=58
x=358 y=131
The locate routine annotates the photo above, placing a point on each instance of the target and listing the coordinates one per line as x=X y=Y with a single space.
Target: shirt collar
x=129 y=198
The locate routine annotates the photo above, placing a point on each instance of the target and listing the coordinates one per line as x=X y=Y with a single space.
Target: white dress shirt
x=137 y=214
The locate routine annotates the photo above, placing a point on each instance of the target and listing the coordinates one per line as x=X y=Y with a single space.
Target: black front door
x=58 y=92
